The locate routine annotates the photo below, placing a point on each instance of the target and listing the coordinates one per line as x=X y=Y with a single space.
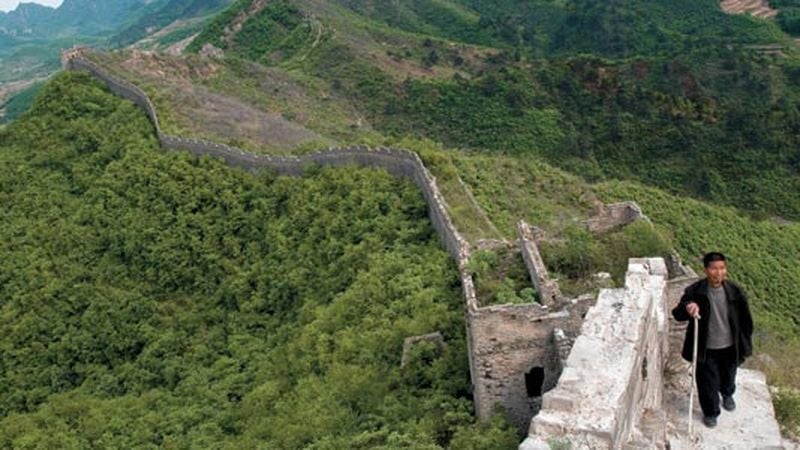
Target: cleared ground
x=757 y=8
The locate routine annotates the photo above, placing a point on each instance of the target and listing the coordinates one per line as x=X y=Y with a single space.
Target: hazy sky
x=8 y=5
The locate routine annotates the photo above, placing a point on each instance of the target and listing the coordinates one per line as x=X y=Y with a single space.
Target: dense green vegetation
x=715 y=124
x=788 y=15
x=151 y=299
x=500 y=277
x=576 y=258
x=684 y=104
x=672 y=94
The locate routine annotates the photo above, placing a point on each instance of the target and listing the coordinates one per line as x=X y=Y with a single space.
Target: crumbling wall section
x=517 y=352
x=615 y=215
x=549 y=292
x=613 y=375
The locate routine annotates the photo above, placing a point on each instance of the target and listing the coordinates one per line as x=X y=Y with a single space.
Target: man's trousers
x=715 y=375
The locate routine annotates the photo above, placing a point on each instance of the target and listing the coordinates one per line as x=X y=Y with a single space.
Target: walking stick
x=692 y=383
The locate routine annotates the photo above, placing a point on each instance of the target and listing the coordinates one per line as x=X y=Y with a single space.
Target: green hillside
x=266 y=311
x=686 y=106
x=716 y=122
x=159 y=14
x=689 y=103
x=151 y=299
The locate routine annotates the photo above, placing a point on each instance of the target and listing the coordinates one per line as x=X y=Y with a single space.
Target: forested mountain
x=674 y=94
x=201 y=306
x=150 y=299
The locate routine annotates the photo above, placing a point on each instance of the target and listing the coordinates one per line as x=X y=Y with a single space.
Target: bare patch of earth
x=757 y=8
x=178 y=47
x=195 y=110
x=7 y=90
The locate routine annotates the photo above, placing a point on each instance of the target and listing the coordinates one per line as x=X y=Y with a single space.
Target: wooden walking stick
x=692 y=383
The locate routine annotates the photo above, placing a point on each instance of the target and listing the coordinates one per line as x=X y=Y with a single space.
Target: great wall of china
x=599 y=360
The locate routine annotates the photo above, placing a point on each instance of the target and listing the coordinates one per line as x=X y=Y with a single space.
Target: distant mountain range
x=32 y=35
x=72 y=17
x=127 y=20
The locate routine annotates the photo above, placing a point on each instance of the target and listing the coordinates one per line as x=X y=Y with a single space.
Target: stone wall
x=514 y=351
x=549 y=292
x=677 y=330
x=75 y=60
x=609 y=217
x=613 y=376
x=518 y=353
x=396 y=161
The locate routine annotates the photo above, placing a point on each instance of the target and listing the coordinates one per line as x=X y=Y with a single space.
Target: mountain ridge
x=456 y=114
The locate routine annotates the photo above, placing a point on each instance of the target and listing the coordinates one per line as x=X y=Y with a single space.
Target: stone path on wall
x=751 y=426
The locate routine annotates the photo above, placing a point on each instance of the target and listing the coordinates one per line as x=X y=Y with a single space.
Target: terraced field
x=757 y=8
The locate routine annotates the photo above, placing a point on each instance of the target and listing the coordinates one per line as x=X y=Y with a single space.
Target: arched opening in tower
x=534 y=380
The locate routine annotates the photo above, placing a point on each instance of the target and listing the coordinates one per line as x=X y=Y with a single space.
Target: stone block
x=532 y=443
x=558 y=402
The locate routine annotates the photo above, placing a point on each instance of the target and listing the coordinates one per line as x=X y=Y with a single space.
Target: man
x=724 y=339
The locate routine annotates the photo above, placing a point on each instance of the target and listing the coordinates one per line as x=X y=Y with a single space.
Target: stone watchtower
x=69 y=54
x=518 y=351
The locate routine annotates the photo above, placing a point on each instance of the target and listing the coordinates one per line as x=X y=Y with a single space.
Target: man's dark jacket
x=739 y=317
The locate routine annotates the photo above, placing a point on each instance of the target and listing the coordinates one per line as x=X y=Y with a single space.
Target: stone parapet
x=613 y=372
x=549 y=292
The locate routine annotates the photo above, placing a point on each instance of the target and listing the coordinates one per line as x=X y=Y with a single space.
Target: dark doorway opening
x=534 y=380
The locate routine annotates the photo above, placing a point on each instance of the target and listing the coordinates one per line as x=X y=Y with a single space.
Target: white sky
x=8 y=5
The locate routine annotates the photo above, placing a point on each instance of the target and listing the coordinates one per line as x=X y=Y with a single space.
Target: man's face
x=716 y=272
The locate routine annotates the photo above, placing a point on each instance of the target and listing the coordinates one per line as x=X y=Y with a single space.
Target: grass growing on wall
x=501 y=277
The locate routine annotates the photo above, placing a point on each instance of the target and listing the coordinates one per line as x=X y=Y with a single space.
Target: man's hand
x=693 y=310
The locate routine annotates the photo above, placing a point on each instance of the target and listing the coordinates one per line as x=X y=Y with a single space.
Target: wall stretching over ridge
x=515 y=351
x=398 y=162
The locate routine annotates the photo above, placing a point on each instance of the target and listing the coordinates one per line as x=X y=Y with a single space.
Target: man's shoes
x=728 y=403
x=709 y=421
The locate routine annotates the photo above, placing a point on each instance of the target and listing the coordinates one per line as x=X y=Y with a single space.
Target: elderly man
x=724 y=340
